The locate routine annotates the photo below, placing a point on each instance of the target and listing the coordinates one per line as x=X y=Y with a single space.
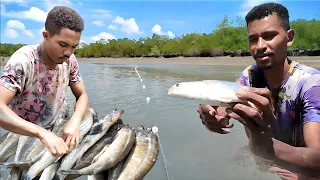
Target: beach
x=313 y=61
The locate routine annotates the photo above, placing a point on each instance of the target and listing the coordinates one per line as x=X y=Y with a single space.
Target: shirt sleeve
x=75 y=76
x=15 y=73
x=311 y=99
x=243 y=77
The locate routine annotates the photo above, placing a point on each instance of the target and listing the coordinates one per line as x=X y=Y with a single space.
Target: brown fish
x=142 y=157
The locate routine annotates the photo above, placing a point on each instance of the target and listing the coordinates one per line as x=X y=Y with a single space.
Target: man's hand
x=215 y=119
x=55 y=144
x=258 y=118
x=71 y=133
x=259 y=115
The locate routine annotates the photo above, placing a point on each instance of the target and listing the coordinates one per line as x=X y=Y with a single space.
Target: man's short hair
x=263 y=10
x=63 y=17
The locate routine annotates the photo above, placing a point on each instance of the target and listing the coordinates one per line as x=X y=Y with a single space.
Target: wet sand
x=313 y=61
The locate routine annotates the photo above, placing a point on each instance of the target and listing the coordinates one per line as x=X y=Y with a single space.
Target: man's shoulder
x=27 y=49
x=306 y=69
x=25 y=54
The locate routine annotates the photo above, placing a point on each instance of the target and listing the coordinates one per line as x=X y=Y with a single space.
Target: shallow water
x=190 y=150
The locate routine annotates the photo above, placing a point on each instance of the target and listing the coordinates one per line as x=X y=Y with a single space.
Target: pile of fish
x=108 y=149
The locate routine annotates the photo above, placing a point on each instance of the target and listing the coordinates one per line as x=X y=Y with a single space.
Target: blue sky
x=23 y=20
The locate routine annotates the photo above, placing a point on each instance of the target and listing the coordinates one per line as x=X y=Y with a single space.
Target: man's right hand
x=55 y=144
x=215 y=119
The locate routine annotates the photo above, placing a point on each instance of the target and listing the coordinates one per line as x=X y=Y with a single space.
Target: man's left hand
x=258 y=116
x=71 y=133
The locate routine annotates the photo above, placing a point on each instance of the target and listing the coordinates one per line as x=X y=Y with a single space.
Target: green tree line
x=229 y=38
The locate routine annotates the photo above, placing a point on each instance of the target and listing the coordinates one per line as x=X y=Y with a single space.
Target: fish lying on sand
x=213 y=92
x=142 y=157
x=97 y=132
x=47 y=158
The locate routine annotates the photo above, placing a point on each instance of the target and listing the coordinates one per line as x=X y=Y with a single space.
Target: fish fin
x=66 y=172
x=95 y=129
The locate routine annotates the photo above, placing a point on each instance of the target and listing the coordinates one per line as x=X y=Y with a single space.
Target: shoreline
x=313 y=61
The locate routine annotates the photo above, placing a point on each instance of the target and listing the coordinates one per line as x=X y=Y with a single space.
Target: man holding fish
x=283 y=121
x=35 y=79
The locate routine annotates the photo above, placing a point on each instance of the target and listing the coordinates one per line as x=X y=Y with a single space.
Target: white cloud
x=249 y=4
x=33 y=13
x=11 y=33
x=80 y=3
x=14 y=1
x=103 y=35
x=156 y=29
x=100 y=13
x=128 y=26
x=15 y=26
x=98 y=23
x=28 y=33
x=112 y=27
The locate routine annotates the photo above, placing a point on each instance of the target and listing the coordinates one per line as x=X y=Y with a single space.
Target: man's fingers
x=219 y=130
x=260 y=102
x=68 y=140
x=251 y=114
x=72 y=144
x=53 y=150
x=237 y=115
x=77 y=141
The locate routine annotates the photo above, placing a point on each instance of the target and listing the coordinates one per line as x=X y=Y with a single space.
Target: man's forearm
x=10 y=121
x=81 y=106
x=299 y=156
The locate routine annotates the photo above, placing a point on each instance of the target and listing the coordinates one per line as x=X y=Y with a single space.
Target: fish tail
x=66 y=172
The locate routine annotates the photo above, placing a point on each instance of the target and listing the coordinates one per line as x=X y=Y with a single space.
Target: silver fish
x=9 y=146
x=4 y=136
x=49 y=172
x=98 y=176
x=142 y=157
x=88 y=156
x=47 y=158
x=97 y=132
x=213 y=92
x=114 y=172
x=15 y=173
x=33 y=147
x=110 y=155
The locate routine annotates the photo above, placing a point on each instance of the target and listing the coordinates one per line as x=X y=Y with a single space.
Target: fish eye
x=177 y=85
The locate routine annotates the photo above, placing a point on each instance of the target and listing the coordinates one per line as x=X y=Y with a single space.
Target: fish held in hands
x=213 y=92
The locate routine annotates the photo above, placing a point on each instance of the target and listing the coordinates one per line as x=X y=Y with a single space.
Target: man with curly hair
x=35 y=79
x=283 y=124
